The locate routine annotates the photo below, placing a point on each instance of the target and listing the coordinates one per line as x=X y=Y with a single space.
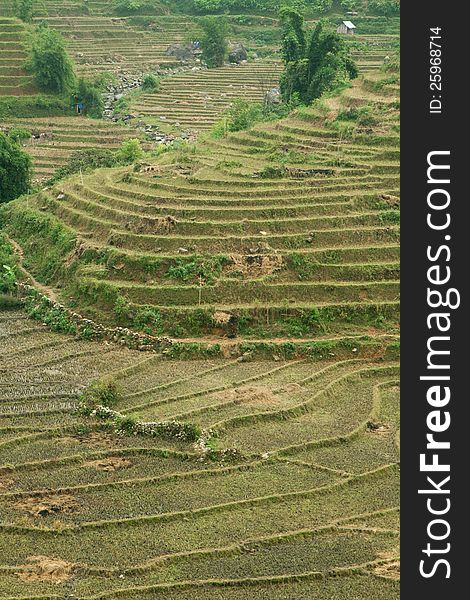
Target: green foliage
x=86 y=160
x=271 y=172
x=362 y=115
x=34 y=106
x=44 y=238
x=129 y=152
x=24 y=9
x=293 y=34
x=151 y=83
x=207 y=269
x=325 y=64
x=214 y=41
x=386 y=8
x=89 y=93
x=321 y=6
x=18 y=134
x=349 y=4
x=135 y=7
x=8 y=266
x=243 y=114
x=50 y=63
x=15 y=169
x=104 y=392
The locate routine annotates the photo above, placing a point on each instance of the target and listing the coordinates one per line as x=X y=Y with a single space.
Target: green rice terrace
x=199 y=371
x=14 y=80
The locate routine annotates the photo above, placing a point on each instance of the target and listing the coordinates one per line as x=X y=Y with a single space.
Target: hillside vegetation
x=199 y=389
x=287 y=229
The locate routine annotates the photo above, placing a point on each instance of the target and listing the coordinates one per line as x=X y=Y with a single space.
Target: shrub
x=15 y=169
x=321 y=6
x=151 y=83
x=34 y=106
x=85 y=160
x=49 y=62
x=243 y=114
x=18 y=134
x=89 y=93
x=104 y=392
x=129 y=152
x=134 y=7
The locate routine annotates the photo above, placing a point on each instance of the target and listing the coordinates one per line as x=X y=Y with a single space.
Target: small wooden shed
x=346 y=27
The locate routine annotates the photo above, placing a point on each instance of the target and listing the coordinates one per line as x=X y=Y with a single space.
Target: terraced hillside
x=286 y=230
x=370 y=51
x=296 y=497
x=106 y=44
x=14 y=80
x=195 y=100
x=54 y=139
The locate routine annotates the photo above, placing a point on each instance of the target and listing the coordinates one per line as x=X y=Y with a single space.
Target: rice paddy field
x=245 y=444
x=306 y=507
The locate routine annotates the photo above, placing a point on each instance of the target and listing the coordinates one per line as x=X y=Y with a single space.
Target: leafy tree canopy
x=15 y=169
x=24 y=10
x=214 y=41
x=50 y=63
x=316 y=66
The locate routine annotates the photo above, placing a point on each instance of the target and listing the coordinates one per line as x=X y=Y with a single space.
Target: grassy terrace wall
x=287 y=230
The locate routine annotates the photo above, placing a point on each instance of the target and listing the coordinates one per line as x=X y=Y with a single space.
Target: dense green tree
x=50 y=63
x=293 y=34
x=214 y=41
x=15 y=169
x=24 y=10
x=324 y=63
x=151 y=83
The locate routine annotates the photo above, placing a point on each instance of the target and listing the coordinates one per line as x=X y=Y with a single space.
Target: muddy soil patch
x=251 y=395
x=254 y=265
x=43 y=568
x=109 y=464
x=45 y=506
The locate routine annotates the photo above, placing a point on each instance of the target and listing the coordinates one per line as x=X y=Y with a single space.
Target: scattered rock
x=273 y=96
x=237 y=53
